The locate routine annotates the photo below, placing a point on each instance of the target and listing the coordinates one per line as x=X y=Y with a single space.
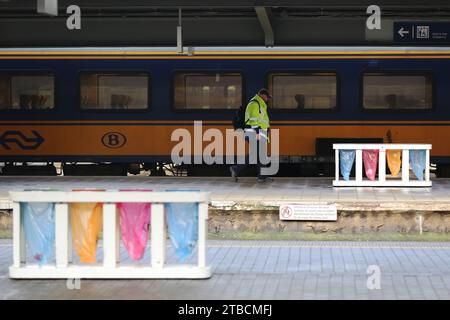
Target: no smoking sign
x=309 y=211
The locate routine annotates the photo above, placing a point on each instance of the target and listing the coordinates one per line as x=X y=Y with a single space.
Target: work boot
x=264 y=179
x=233 y=174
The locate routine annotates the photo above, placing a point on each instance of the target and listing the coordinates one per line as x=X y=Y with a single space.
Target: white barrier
x=111 y=268
x=404 y=181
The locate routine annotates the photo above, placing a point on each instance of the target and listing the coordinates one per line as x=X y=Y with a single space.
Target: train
x=113 y=110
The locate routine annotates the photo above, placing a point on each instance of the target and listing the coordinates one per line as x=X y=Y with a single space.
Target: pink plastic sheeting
x=370 y=158
x=134 y=224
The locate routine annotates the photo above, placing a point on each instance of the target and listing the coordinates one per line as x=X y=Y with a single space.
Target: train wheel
x=134 y=168
x=156 y=169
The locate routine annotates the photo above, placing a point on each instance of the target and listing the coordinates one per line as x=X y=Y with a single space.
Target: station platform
x=265 y=269
x=247 y=193
x=247 y=205
x=259 y=270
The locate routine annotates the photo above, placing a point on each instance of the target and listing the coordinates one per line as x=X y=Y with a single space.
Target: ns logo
x=114 y=140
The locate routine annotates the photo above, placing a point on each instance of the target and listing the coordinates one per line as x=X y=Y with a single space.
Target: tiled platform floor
x=270 y=270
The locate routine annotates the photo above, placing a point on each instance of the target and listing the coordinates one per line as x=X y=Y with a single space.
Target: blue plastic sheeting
x=346 y=159
x=39 y=224
x=182 y=220
x=417 y=159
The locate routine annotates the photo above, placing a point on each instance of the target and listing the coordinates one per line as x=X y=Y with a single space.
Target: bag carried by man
x=239 y=117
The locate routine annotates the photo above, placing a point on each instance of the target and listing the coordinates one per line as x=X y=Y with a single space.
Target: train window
x=397 y=91
x=207 y=90
x=27 y=92
x=303 y=91
x=114 y=91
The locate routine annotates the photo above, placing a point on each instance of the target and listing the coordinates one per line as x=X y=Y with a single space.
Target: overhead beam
x=49 y=7
x=406 y=4
x=196 y=32
x=263 y=14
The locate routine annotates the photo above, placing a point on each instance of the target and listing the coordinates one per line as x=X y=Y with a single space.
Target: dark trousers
x=239 y=167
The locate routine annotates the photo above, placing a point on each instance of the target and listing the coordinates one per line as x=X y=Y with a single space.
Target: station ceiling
x=211 y=23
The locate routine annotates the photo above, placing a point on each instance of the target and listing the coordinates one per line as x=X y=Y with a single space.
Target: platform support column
x=19 y=253
x=358 y=164
x=69 y=237
x=23 y=240
x=382 y=165
x=202 y=232
x=158 y=235
x=336 y=161
x=62 y=235
x=109 y=235
x=405 y=165
x=117 y=237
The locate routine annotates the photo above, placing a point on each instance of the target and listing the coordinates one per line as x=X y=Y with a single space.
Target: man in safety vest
x=257 y=124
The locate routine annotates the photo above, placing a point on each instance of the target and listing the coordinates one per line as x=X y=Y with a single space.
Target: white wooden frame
x=404 y=181
x=111 y=267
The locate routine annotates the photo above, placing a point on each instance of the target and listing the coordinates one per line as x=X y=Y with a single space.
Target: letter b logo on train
x=114 y=140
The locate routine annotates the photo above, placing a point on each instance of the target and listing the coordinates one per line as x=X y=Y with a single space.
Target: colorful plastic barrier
x=39 y=223
x=417 y=159
x=394 y=161
x=86 y=221
x=182 y=221
x=346 y=159
x=134 y=225
x=374 y=155
x=70 y=224
x=370 y=158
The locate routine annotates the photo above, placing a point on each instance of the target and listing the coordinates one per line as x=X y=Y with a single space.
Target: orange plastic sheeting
x=86 y=226
x=394 y=160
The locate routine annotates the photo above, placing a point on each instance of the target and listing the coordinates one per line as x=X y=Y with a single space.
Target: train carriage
x=121 y=105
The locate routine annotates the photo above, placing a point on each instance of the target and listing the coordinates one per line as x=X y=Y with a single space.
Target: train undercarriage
x=307 y=168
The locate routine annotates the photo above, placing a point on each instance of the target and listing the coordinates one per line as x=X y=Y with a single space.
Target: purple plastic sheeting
x=134 y=224
x=370 y=158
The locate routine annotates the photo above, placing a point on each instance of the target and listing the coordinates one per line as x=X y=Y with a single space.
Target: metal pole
x=179 y=33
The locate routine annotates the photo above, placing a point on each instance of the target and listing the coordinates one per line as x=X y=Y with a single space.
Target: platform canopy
x=212 y=23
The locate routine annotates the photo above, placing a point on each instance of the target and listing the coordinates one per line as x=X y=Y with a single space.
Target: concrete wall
x=222 y=221
x=347 y=222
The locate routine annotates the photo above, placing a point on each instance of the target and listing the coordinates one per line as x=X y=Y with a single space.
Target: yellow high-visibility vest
x=256 y=113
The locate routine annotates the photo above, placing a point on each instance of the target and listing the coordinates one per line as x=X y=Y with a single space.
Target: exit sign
x=422 y=32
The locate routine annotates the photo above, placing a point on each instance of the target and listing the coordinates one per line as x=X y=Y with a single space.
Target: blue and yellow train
x=120 y=105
